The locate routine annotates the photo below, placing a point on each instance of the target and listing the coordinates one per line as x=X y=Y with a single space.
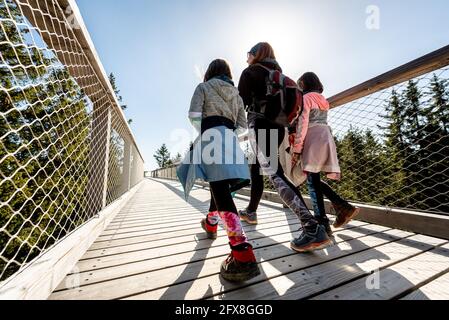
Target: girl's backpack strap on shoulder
x=264 y=67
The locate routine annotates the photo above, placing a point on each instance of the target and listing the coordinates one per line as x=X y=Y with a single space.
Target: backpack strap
x=261 y=65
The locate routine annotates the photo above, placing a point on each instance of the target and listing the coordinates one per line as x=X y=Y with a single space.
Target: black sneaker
x=240 y=266
x=311 y=241
x=249 y=217
x=327 y=226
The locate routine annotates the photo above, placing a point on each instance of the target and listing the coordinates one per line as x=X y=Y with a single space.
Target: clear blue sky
x=159 y=49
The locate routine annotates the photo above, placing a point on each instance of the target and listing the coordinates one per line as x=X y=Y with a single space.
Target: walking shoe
x=241 y=264
x=327 y=226
x=311 y=241
x=211 y=230
x=249 y=217
x=345 y=213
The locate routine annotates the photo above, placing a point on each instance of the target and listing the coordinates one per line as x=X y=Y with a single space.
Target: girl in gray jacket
x=217 y=112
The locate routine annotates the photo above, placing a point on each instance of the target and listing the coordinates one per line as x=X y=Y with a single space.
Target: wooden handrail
x=425 y=64
x=81 y=35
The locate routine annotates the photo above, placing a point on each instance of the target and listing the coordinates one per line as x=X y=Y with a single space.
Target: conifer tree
x=162 y=157
x=434 y=148
x=438 y=111
x=113 y=82
x=394 y=192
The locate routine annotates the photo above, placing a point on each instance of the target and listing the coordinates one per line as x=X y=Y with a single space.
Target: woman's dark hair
x=218 y=67
x=311 y=83
x=262 y=51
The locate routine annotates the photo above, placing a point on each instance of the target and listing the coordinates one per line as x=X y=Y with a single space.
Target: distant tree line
x=406 y=165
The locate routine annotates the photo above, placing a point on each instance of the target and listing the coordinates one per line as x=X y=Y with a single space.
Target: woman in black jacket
x=253 y=90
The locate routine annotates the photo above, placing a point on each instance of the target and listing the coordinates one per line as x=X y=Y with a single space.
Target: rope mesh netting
x=57 y=124
x=393 y=145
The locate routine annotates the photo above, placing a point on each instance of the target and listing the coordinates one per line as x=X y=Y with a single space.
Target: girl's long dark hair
x=218 y=67
x=311 y=83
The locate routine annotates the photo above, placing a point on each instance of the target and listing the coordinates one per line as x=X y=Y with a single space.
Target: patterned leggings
x=286 y=190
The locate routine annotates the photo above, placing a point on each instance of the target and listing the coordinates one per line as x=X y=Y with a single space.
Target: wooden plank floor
x=155 y=249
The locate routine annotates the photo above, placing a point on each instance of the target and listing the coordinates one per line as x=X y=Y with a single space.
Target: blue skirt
x=215 y=156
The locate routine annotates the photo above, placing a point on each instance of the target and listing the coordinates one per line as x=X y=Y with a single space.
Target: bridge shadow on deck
x=199 y=205
x=185 y=281
x=338 y=272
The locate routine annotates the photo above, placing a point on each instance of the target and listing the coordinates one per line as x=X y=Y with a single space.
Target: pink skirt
x=320 y=152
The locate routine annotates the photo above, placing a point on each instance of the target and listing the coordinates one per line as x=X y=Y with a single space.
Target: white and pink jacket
x=315 y=112
x=314 y=139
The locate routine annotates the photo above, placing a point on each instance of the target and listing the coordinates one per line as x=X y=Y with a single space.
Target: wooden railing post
x=127 y=166
x=98 y=157
x=106 y=160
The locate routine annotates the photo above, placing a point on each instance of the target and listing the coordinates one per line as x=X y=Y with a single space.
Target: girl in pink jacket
x=315 y=147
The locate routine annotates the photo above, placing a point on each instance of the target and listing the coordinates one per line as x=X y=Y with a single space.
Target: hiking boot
x=249 y=217
x=345 y=213
x=241 y=264
x=311 y=241
x=211 y=230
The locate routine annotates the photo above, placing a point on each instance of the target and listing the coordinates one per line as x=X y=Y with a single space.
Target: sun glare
x=285 y=32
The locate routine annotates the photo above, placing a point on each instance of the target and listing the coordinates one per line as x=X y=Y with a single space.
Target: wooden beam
x=396 y=279
x=435 y=290
x=425 y=64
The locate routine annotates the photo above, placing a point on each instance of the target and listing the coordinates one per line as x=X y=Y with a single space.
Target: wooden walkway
x=155 y=249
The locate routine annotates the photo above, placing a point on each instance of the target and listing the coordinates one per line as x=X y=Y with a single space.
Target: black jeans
x=257 y=179
x=257 y=187
x=317 y=190
x=264 y=133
